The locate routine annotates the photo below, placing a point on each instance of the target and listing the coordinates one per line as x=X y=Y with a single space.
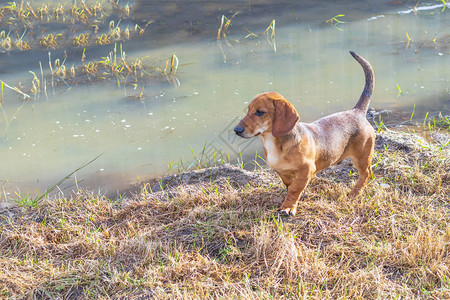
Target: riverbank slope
x=215 y=233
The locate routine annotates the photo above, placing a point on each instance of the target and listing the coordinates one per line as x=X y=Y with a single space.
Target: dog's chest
x=273 y=153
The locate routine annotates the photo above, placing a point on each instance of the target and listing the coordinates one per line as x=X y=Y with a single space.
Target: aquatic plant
x=409 y=40
x=24 y=95
x=271 y=36
x=140 y=30
x=269 y=33
x=5 y=41
x=399 y=91
x=445 y=4
x=82 y=40
x=50 y=41
x=225 y=23
x=89 y=19
x=114 y=66
x=334 y=21
x=36 y=84
x=171 y=65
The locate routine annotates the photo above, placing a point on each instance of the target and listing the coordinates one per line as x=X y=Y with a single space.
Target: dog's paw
x=287 y=211
x=354 y=193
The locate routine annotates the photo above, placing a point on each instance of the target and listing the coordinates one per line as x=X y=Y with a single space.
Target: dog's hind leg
x=363 y=164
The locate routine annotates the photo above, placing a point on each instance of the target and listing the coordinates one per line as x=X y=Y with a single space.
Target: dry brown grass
x=219 y=239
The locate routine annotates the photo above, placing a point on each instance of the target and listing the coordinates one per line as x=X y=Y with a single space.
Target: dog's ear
x=284 y=119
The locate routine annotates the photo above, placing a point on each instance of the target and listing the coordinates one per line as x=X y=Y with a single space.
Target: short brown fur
x=296 y=150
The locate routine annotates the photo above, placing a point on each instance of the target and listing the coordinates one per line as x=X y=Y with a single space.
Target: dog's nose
x=239 y=130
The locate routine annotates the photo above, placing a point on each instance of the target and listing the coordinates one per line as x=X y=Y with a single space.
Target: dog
x=296 y=150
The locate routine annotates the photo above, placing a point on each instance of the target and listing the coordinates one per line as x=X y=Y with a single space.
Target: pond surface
x=156 y=126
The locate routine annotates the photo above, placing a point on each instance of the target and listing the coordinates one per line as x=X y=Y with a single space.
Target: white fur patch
x=272 y=151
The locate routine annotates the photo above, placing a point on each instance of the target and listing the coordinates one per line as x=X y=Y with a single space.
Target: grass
x=437 y=122
x=208 y=157
x=216 y=239
x=28 y=200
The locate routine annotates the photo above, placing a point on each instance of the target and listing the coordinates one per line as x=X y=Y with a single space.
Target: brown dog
x=296 y=150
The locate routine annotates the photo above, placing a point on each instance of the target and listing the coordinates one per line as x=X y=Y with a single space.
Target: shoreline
x=128 y=187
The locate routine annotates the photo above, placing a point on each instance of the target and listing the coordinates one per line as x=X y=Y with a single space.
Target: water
x=45 y=139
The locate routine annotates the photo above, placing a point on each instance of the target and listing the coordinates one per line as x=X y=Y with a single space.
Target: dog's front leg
x=294 y=190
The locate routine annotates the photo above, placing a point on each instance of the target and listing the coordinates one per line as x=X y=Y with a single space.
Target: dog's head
x=268 y=112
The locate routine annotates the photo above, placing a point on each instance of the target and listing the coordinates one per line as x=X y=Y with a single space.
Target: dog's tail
x=364 y=100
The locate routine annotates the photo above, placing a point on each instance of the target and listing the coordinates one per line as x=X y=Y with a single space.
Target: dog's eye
x=259 y=113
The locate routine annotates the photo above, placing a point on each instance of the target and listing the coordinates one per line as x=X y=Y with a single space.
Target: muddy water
x=44 y=139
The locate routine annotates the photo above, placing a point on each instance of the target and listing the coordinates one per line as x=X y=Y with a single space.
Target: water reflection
x=44 y=140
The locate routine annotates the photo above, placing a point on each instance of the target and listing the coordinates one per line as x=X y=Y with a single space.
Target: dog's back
x=337 y=133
